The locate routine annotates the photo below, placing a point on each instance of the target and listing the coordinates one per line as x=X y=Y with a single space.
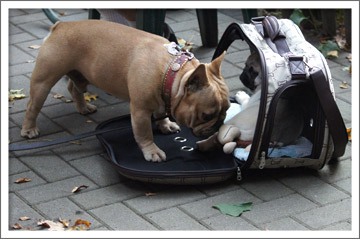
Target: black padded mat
x=125 y=154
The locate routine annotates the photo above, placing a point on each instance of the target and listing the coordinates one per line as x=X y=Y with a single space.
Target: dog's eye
x=207 y=117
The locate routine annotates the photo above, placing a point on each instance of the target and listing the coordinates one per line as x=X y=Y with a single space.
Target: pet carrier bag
x=291 y=67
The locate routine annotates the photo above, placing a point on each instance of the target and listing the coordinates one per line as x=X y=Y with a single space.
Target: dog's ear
x=197 y=80
x=215 y=65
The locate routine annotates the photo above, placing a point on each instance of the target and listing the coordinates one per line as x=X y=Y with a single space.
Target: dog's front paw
x=152 y=153
x=30 y=133
x=87 y=109
x=168 y=127
x=242 y=98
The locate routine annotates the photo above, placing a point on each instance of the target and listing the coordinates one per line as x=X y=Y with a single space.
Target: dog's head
x=205 y=99
x=250 y=76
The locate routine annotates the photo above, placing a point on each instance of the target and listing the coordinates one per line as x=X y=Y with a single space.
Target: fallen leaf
x=327 y=47
x=150 y=194
x=78 y=188
x=28 y=228
x=89 y=121
x=24 y=218
x=80 y=225
x=349 y=133
x=34 y=47
x=334 y=53
x=89 y=96
x=68 y=101
x=66 y=223
x=350 y=68
x=30 y=61
x=58 y=96
x=349 y=57
x=340 y=41
x=346 y=68
x=234 y=210
x=344 y=85
x=17 y=226
x=62 y=13
x=16 y=94
x=22 y=180
x=53 y=226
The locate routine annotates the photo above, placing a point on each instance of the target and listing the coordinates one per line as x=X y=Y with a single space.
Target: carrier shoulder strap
x=333 y=116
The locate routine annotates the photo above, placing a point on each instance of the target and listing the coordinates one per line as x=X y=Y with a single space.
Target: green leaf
x=234 y=210
x=297 y=16
x=328 y=47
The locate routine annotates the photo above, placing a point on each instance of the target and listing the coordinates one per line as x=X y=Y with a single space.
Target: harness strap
x=333 y=116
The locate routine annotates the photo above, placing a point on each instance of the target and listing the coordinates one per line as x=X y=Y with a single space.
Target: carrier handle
x=332 y=113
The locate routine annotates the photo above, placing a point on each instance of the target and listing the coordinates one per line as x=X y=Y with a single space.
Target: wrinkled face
x=203 y=111
x=205 y=100
x=249 y=76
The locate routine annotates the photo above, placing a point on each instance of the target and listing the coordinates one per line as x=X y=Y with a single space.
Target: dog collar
x=175 y=66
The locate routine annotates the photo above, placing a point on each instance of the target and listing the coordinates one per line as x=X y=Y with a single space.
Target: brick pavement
x=291 y=199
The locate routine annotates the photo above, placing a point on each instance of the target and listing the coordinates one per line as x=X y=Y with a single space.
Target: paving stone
x=21 y=69
x=17 y=56
x=180 y=15
x=314 y=189
x=66 y=209
x=225 y=222
x=234 y=13
x=35 y=181
x=16 y=166
x=266 y=188
x=230 y=70
x=344 y=184
x=219 y=188
x=87 y=148
x=185 y=25
x=175 y=219
x=58 y=110
x=50 y=167
x=75 y=123
x=18 y=208
x=16 y=12
x=27 y=18
x=165 y=199
x=339 y=74
x=45 y=125
x=20 y=37
x=284 y=224
x=14 y=135
x=335 y=172
x=237 y=57
x=286 y=206
x=98 y=170
x=223 y=18
x=119 y=217
x=75 y=17
x=203 y=208
x=329 y=214
x=345 y=110
x=347 y=153
x=109 y=195
x=103 y=95
x=345 y=96
x=109 y=112
x=342 y=226
x=55 y=190
x=25 y=46
x=342 y=58
x=235 y=84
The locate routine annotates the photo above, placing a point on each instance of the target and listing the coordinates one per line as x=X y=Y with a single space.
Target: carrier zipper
x=262 y=160
x=238 y=174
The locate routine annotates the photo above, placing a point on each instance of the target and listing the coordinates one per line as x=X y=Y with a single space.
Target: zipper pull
x=238 y=174
x=262 y=160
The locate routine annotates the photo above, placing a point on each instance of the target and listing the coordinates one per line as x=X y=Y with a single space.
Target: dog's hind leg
x=40 y=85
x=77 y=86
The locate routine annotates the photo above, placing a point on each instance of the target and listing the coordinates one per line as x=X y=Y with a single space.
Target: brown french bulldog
x=132 y=65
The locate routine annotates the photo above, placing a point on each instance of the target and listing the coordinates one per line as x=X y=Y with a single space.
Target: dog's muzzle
x=248 y=77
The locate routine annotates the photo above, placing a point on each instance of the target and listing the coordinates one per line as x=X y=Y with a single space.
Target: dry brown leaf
x=78 y=188
x=58 y=96
x=349 y=57
x=334 y=53
x=22 y=180
x=68 y=101
x=89 y=96
x=30 y=61
x=53 y=226
x=89 y=121
x=150 y=194
x=66 y=223
x=80 y=225
x=350 y=68
x=62 y=13
x=17 y=226
x=349 y=133
x=24 y=218
x=344 y=85
x=15 y=94
x=34 y=47
x=341 y=42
